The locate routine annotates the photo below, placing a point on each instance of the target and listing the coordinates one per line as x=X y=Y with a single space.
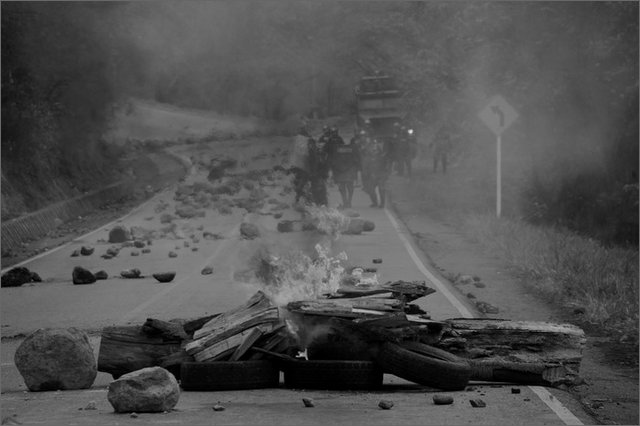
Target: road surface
x=58 y=303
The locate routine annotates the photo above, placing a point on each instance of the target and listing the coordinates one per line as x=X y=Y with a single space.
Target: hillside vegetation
x=569 y=68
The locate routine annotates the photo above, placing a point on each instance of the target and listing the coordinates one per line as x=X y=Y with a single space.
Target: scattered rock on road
x=113 y=251
x=218 y=407
x=82 y=276
x=119 y=234
x=487 y=308
x=101 y=275
x=249 y=231
x=355 y=227
x=477 y=403
x=308 y=402
x=56 y=359
x=208 y=270
x=442 y=399
x=75 y=253
x=131 y=273
x=385 y=404
x=173 y=254
x=17 y=276
x=149 y=390
x=138 y=244
x=164 y=277
x=86 y=251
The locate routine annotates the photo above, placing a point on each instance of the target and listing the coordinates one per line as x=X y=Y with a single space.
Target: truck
x=378 y=105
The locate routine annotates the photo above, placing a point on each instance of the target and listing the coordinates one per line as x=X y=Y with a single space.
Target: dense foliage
x=569 y=68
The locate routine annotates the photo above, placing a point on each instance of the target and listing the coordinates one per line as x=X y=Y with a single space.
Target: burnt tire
x=332 y=375
x=425 y=365
x=229 y=375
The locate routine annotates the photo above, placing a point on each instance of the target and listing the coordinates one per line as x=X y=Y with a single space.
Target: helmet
x=325 y=129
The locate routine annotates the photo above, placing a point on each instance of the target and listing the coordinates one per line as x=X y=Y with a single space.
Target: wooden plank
x=246 y=344
x=258 y=302
x=229 y=343
x=226 y=330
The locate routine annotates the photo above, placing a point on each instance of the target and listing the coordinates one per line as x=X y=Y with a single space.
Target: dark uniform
x=318 y=173
x=344 y=161
x=441 y=147
x=375 y=171
x=402 y=152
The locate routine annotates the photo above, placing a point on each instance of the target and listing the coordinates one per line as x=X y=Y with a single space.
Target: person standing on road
x=441 y=146
x=344 y=162
x=318 y=172
x=402 y=152
x=375 y=171
x=299 y=162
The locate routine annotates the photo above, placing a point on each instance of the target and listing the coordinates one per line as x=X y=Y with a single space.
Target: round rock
x=82 y=276
x=56 y=359
x=149 y=390
x=119 y=234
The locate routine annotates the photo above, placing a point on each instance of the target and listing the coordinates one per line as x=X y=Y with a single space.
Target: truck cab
x=378 y=102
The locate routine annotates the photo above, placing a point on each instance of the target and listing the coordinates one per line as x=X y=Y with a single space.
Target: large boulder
x=119 y=234
x=17 y=276
x=56 y=359
x=148 y=390
x=82 y=276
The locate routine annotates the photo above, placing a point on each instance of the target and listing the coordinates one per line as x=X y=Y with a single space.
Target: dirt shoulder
x=610 y=369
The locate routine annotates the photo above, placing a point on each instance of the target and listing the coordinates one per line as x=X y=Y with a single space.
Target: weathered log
x=517 y=351
x=124 y=349
x=405 y=291
x=165 y=329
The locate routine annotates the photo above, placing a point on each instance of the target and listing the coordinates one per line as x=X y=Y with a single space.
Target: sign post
x=498 y=115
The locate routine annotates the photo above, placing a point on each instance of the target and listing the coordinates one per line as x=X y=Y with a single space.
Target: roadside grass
x=574 y=272
x=597 y=283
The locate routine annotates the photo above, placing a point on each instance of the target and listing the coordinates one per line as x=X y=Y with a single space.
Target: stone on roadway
x=56 y=359
x=148 y=390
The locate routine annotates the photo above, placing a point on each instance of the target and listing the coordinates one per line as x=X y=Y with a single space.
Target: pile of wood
x=350 y=324
x=222 y=337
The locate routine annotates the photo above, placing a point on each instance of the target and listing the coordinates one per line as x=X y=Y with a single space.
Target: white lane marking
x=135 y=311
x=545 y=396
x=432 y=278
x=556 y=406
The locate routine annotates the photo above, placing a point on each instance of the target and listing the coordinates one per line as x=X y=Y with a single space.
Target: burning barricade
x=346 y=339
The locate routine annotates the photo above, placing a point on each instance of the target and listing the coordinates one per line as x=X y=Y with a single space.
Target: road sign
x=498 y=115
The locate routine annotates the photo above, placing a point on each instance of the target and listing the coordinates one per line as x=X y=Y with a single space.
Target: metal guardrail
x=37 y=224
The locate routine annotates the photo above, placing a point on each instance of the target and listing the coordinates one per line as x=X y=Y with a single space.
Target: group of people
x=314 y=161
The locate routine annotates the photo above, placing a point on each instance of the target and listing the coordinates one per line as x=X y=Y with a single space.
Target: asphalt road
x=58 y=303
